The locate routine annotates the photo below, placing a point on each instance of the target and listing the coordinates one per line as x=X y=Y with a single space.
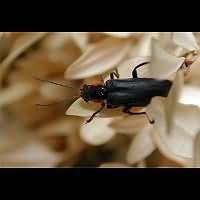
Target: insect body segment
x=128 y=93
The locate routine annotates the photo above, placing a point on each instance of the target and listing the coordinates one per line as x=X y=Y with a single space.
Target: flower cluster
x=56 y=135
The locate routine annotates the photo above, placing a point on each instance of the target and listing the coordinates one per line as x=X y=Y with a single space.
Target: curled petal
x=125 y=68
x=97 y=132
x=162 y=63
x=121 y=34
x=190 y=95
x=172 y=100
x=83 y=109
x=80 y=38
x=15 y=92
x=31 y=154
x=178 y=145
x=130 y=124
x=196 y=156
x=18 y=48
x=188 y=117
x=142 y=146
x=185 y=40
x=99 y=58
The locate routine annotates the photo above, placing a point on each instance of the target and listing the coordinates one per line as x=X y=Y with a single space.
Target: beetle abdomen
x=135 y=92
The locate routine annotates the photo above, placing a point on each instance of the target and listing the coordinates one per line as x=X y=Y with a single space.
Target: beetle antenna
x=62 y=85
x=52 y=104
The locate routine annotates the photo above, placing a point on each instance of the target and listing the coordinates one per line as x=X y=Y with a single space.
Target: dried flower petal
x=190 y=95
x=15 y=92
x=172 y=100
x=121 y=34
x=83 y=109
x=196 y=156
x=81 y=39
x=188 y=117
x=97 y=132
x=99 y=58
x=33 y=154
x=125 y=68
x=17 y=49
x=186 y=40
x=142 y=146
x=130 y=124
x=178 y=144
x=163 y=64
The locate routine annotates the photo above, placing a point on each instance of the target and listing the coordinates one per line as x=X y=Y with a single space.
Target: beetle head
x=92 y=93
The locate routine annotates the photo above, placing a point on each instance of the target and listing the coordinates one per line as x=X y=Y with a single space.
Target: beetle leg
x=94 y=114
x=134 y=73
x=116 y=74
x=126 y=110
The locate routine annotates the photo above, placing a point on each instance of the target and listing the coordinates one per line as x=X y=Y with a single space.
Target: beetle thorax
x=93 y=93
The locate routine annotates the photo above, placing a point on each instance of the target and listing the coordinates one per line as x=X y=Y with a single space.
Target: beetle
x=127 y=93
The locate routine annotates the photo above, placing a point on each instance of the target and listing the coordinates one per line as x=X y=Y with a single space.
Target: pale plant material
x=97 y=132
x=190 y=95
x=12 y=135
x=114 y=165
x=58 y=93
x=188 y=117
x=178 y=145
x=32 y=154
x=185 y=40
x=172 y=100
x=141 y=147
x=126 y=67
x=121 y=34
x=143 y=47
x=129 y=125
x=17 y=49
x=62 y=126
x=81 y=39
x=83 y=109
x=43 y=136
x=196 y=156
x=15 y=93
x=99 y=58
x=163 y=64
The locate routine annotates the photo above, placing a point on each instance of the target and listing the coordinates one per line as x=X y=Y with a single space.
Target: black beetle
x=128 y=93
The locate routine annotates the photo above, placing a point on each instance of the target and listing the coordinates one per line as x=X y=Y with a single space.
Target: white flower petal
x=190 y=95
x=15 y=93
x=142 y=146
x=162 y=63
x=80 y=38
x=172 y=100
x=125 y=68
x=121 y=34
x=178 y=144
x=83 y=109
x=185 y=40
x=130 y=125
x=99 y=58
x=188 y=117
x=143 y=47
x=18 y=48
x=196 y=156
x=32 y=154
x=97 y=132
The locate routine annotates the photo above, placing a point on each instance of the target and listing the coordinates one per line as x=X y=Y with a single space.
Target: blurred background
x=44 y=136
